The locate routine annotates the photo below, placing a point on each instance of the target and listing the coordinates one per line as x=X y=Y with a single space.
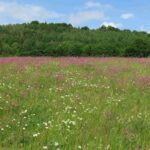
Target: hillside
x=61 y=39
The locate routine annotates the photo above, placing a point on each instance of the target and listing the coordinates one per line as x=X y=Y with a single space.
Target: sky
x=123 y=14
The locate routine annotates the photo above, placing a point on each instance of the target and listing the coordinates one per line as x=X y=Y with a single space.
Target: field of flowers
x=74 y=103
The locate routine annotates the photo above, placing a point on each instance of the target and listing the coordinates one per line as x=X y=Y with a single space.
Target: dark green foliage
x=109 y=28
x=61 y=39
x=140 y=48
x=85 y=28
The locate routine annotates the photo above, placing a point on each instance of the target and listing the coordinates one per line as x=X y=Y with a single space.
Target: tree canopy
x=61 y=39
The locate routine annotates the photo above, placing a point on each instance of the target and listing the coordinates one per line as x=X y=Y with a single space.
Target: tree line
x=61 y=39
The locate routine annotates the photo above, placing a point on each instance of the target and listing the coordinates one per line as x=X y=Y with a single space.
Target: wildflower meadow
x=71 y=103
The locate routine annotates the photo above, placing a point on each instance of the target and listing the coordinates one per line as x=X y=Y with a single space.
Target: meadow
x=72 y=103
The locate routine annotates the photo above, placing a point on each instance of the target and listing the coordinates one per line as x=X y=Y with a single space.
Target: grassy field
x=74 y=103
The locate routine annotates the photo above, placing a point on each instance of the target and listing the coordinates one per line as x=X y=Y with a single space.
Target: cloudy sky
x=124 y=14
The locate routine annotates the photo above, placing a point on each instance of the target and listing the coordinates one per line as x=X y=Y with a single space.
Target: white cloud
x=116 y=25
x=127 y=16
x=91 y=4
x=12 y=12
x=26 y=12
x=85 y=16
x=91 y=11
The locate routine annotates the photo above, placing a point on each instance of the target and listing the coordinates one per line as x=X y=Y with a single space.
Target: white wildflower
x=2 y=129
x=56 y=144
x=79 y=147
x=45 y=147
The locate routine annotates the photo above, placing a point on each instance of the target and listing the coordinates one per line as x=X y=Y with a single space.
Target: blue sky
x=124 y=14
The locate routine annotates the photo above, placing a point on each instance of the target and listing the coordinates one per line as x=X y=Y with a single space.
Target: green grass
x=91 y=106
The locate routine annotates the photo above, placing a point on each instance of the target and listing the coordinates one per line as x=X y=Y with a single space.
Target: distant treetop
x=62 y=39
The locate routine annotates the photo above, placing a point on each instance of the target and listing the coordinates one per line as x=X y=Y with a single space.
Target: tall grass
x=74 y=103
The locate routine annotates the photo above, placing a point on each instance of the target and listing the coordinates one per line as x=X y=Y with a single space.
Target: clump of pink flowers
x=59 y=76
x=144 y=82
